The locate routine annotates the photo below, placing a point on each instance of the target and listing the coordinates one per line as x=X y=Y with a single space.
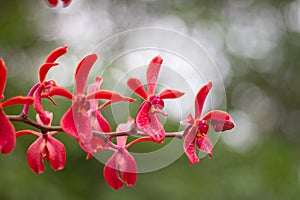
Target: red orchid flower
x=46 y=146
x=121 y=161
x=7 y=130
x=76 y=121
x=54 y=3
x=196 y=132
x=147 y=119
x=41 y=89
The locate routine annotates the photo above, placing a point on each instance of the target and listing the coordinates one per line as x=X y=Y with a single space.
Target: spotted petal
x=170 y=94
x=128 y=168
x=149 y=123
x=57 y=153
x=137 y=87
x=152 y=74
x=189 y=146
x=220 y=120
x=79 y=125
x=7 y=134
x=204 y=144
x=82 y=72
x=200 y=99
x=35 y=156
x=68 y=123
x=111 y=173
x=101 y=124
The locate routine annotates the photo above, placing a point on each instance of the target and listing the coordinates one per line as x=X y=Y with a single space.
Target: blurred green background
x=258 y=42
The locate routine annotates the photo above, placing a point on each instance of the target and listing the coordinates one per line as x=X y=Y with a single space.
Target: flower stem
x=43 y=128
x=26 y=120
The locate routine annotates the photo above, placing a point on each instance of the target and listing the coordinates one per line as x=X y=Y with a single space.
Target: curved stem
x=178 y=134
x=24 y=119
x=43 y=128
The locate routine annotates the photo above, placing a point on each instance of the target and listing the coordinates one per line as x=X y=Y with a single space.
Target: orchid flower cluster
x=84 y=121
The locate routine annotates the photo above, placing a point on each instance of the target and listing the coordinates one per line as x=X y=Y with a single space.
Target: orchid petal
x=97 y=144
x=101 y=124
x=128 y=168
x=204 y=144
x=216 y=115
x=44 y=70
x=109 y=95
x=35 y=157
x=7 y=134
x=220 y=120
x=103 y=105
x=55 y=54
x=66 y=2
x=76 y=123
x=121 y=140
x=170 y=94
x=152 y=74
x=189 y=120
x=18 y=100
x=92 y=88
x=149 y=123
x=3 y=74
x=200 y=99
x=189 y=146
x=49 y=116
x=50 y=99
x=83 y=126
x=52 y=3
x=57 y=153
x=68 y=123
x=27 y=132
x=111 y=174
x=82 y=72
x=38 y=105
x=137 y=87
x=124 y=127
x=59 y=91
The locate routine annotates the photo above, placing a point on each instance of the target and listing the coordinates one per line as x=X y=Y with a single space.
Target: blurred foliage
x=270 y=169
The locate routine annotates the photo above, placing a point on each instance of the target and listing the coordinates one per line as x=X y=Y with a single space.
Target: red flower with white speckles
x=121 y=161
x=147 y=119
x=41 y=89
x=196 y=132
x=76 y=121
x=46 y=146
